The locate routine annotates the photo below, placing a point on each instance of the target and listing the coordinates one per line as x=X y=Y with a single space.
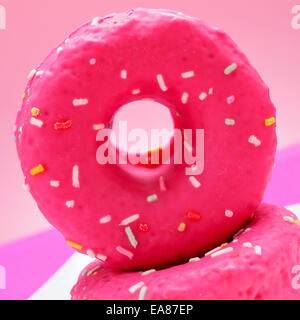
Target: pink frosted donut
x=166 y=217
x=261 y=262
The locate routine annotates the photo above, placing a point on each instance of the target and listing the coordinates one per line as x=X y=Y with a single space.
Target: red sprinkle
x=62 y=125
x=193 y=215
x=143 y=227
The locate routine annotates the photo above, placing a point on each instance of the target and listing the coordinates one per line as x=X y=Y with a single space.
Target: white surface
x=58 y=287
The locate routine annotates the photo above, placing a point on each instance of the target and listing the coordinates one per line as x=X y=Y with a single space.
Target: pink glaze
x=75 y=193
x=257 y=264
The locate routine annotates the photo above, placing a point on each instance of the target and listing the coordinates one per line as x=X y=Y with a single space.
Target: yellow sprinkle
x=270 y=121
x=297 y=222
x=181 y=227
x=36 y=170
x=35 y=112
x=74 y=245
x=115 y=21
x=223 y=244
x=24 y=95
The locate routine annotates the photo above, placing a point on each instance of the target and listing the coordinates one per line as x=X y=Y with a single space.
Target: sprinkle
x=224 y=244
x=270 y=121
x=247 y=244
x=105 y=219
x=130 y=219
x=230 y=122
x=84 y=272
x=91 y=253
x=39 y=73
x=143 y=293
x=181 y=227
x=93 y=61
x=95 y=21
x=35 y=112
x=145 y=273
x=135 y=287
x=136 y=91
x=75 y=177
x=98 y=126
x=37 y=170
x=80 y=102
x=195 y=182
x=188 y=74
x=257 y=250
x=101 y=257
x=215 y=254
x=297 y=222
x=143 y=227
x=238 y=233
x=59 y=50
x=211 y=251
x=67 y=40
x=211 y=91
x=24 y=95
x=230 y=68
x=152 y=198
x=230 y=99
x=161 y=82
x=93 y=270
x=193 y=215
x=252 y=139
x=194 y=259
x=288 y=219
x=162 y=184
x=124 y=74
x=54 y=183
x=36 y=122
x=70 y=204
x=125 y=252
x=63 y=125
x=202 y=96
x=74 y=245
x=228 y=213
x=184 y=97
x=131 y=237
x=31 y=74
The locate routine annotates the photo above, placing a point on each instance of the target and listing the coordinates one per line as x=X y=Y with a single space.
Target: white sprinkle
x=93 y=270
x=70 y=204
x=230 y=99
x=105 y=219
x=188 y=147
x=131 y=237
x=129 y=220
x=59 y=50
x=247 y=244
x=98 y=126
x=252 y=139
x=211 y=91
x=228 y=213
x=194 y=182
x=136 y=91
x=95 y=21
x=230 y=68
x=54 y=183
x=194 y=259
x=289 y=219
x=202 y=96
x=145 y=273
x=161 y=82
x=226 y=250
x=124 y=74
x=188 y=74
x=143 y=293
x=162 y=185
x=229 y=122
x=101 y=257
x=93 y=61
x=125 y=252
x=91 y=253
x=211 y=251
x=152 y=198
x=247 y=229
x=184 y=97
x=67 y=40
x=136 y=286
x=257 y=250
x=75 y=177
x=36 y=122
x=39 y=73
x=235 y=240
x=80 y=102
x=31 y=74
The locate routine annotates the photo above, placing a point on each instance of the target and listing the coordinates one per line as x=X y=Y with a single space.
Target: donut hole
x=142 y=133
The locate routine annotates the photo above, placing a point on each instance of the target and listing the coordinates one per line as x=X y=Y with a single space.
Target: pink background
x=262 y=28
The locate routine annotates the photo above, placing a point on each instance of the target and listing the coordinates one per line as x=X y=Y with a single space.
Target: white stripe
x=161 y=82
x=226 y=250
x=188 y=74
x=130 y=219
x=136 y=286
x=75 y=177
x=36 y=122
x=131 y=237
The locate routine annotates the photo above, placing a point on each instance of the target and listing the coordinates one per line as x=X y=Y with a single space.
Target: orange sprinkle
x=36 y=170
x=270 y=121
x=74 y=245
x=24 y=95
x=35 y=112
x=224 y=244
x=181 y=227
